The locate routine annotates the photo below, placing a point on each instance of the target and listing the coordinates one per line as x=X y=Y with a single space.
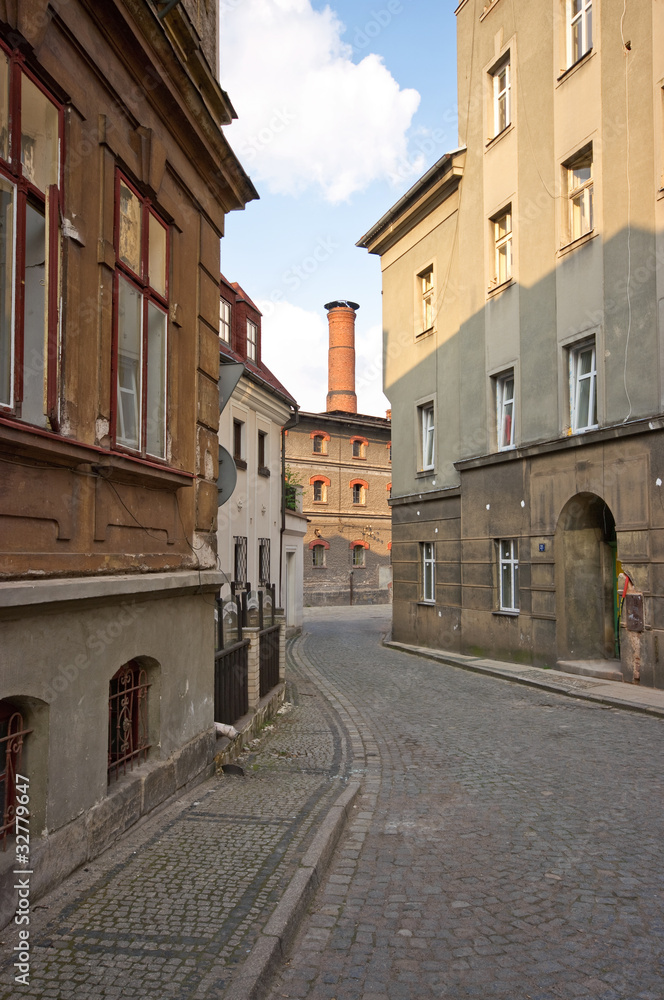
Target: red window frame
x=50 y=202
x=140 y=281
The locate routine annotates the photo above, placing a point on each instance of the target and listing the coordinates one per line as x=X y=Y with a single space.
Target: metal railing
x=231 y=660
x=269 y=659
x=127 y=719
x=11 y=749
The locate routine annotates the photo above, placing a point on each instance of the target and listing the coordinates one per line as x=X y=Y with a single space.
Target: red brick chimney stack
x=341 y=356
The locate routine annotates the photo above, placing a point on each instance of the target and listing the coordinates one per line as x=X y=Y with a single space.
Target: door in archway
x=585 y=579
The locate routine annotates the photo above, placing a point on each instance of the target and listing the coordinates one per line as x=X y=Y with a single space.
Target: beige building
x=523 y=297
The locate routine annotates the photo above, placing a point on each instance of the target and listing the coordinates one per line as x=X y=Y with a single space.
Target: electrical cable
x=629 y=212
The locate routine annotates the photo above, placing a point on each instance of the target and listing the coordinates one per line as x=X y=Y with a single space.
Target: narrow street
x=505 y=843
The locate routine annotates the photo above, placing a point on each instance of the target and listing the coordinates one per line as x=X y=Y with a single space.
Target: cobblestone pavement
x=172 y=911
x=507 y=842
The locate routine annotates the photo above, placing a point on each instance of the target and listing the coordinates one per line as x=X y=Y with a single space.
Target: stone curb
x=279 y=933
x=479 y=667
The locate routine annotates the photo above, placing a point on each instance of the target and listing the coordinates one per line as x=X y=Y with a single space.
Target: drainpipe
x=293 y=421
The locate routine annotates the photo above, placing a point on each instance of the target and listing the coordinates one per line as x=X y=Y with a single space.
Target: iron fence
x=12 y=735
x=269 y=659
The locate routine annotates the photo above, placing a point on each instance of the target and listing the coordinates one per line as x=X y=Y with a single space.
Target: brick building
x=342 y=460
x=115 y=178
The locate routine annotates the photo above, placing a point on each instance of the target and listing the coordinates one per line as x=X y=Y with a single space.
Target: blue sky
x=341 y=107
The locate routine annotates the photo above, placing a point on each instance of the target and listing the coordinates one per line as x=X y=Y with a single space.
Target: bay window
x=141 y=323
x=30 y=188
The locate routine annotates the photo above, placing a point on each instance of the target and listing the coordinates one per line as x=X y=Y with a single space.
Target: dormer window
x=252 y=341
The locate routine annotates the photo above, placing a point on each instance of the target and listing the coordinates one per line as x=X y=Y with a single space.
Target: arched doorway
x=585 y=547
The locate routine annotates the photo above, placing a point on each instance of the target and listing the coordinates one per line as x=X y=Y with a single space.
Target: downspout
x=293 y=421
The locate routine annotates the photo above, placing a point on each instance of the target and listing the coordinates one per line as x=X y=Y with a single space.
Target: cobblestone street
x=506 y=843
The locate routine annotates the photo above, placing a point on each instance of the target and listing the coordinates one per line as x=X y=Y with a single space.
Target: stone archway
x=585 y=548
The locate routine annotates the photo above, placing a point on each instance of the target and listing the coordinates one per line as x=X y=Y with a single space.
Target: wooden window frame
x=50 y=203
x=140 y=282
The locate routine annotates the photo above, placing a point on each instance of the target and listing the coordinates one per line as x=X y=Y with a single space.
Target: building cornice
x=130 y=587
x=600 y=436
x=433 y=188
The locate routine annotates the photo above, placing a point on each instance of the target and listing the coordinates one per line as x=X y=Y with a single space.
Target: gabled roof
x=258 y=373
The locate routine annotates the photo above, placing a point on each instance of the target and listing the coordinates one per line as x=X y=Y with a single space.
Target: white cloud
x=308 y=114
x=294 y=345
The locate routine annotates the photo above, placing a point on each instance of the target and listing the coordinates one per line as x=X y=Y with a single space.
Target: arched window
x=320 y=485
x=12 y=735
x=359 y=447
x=319 y=441
x=357 y=553
x=127 y=718
x=359 y=488
x=318 y=549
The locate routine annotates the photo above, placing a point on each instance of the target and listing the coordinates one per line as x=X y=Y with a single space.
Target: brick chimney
x=341 y=356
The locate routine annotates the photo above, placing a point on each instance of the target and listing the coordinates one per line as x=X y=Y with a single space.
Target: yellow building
x=523 y=297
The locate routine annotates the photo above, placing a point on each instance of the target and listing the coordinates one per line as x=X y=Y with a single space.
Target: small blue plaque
x=542 y=546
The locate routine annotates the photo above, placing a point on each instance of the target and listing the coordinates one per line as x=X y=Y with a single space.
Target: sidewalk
x=627 y=696
x=201 y=900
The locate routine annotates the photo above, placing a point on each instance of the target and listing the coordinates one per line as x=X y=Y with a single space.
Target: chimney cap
x=342 y=304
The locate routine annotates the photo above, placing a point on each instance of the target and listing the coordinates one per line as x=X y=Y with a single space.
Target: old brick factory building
x=342 y=459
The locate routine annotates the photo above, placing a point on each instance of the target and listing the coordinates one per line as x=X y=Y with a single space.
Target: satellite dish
x=227 y=476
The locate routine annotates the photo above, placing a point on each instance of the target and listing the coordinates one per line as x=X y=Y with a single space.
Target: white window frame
x=505 y=409
x=427 y=436
x=502 y=246
x=425 y=280
x=252 y=341
x=502 y=95
x=580 y=208
x=508 y=565
x=225 y=320
x=582 y=20
x=428 y=564
x=587 y=421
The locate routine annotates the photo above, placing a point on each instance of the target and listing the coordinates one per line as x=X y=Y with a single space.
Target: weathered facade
x=114 y=182
x=260 y=542
x=523 y=281
x=342 y=461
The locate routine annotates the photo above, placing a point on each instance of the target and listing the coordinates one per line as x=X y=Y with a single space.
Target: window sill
x=578 y=242
x=426 y=604
x=496 y=289
x=320 y=503
x=359 y=458
x=566 y=73
x=264 y=471
x=425 y=473
x=239 y=463
x=506 y=613
x=425 y=333
x=508 y=447
x=41 y=445
x=576 y=431
x=496 y=138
